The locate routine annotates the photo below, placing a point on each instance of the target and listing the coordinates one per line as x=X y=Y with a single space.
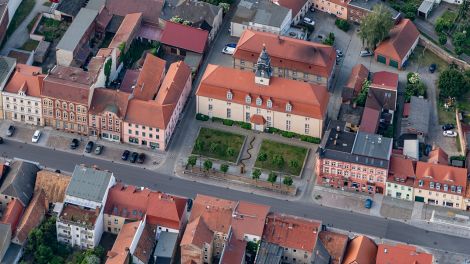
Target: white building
x=80 y=222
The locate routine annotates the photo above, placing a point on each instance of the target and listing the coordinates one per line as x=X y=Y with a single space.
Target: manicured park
x=284 y=158
x=218 y=144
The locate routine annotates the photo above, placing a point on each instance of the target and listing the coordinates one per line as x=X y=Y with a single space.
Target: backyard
x=456 y=26
x=276 y=156
x=424 y=58
x=51 y=29
x=30 y=45
x=218 y=144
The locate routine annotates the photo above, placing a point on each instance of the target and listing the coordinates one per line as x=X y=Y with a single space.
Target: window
x=259 y=101
x=248 y=99
x=130 y=131
x=64 y=105
x=288 y=107
x=438 y=186
x=143 y=134
x=269 y=103
x=431 y=185
x=247 y=117
x=229 y=113
x=268 y=121
x=71 y=107
x=307 y=128
x=446 y=188
x=420 y=183
x=459 y=189
x=229 y=95
x=288 y=125
x=210 y=107
x=452 y=188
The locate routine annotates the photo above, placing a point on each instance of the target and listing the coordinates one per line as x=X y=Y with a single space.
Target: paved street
x=162 y=180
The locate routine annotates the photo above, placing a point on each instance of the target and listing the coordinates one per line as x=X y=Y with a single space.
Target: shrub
x=228 y=122
x=201 y=117
x=273 y=130
x=246 y=126
x=442 y=39
x=217 y=119
x=288 y=134
x=310 y=139
x=342 y=24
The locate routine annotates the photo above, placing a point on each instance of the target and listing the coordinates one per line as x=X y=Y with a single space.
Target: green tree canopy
x=224 y=168
x=452 y=83
x=207 y=165
x=272 y=177
x=256 y=174
x=376 y=26
x=192 y=160
x=288 y=181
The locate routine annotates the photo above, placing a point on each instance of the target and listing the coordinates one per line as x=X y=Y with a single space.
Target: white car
x=309 y=21
x=366 y=53
x=36 y=136
x=449 y=133
x=339 y=53
x=229 y=49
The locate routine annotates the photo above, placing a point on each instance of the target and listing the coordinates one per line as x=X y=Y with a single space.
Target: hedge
x=202 y=117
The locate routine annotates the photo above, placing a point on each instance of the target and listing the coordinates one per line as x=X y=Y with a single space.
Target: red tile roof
x=443 y=174
x=291 y=232
x=146 y=242
x=197 y=233
x=53 y=184
x=234 y=251
x=249 y=219
x=119 y=253
x=361 y=250
x=438 y=156
x=286 y=52
x=166 y=210
x=105 y=99
x=388 y=254
x=151 y=9
x=27 y=79
x=306 y=99
x=185 y=37
x=32 y=217
x=385 y=80
x=370 y=120
x=294 y=5
x=401 y=170
x=150 y=78
x=258 y=119
x=12 y=214
x=177 y=76
x=129 y=26
x=216 y=212
x=127 y=201
x=401 y=39
x=335 y=244
x=359 y=74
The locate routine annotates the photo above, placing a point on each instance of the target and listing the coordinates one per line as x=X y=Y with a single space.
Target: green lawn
x=21 y=13
x=445 y=116
x=30 y=45
x=218 y=144
x=281 y=157
x=426 y=58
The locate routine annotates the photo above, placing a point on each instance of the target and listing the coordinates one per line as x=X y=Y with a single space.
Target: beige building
x=22 y=95
x=339 y=8
x=8 y=65
x=262 y=100
x=400 y=179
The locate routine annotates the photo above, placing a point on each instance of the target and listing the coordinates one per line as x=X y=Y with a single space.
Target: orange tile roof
x=294 y=5
x=32 y=217
x=401 y=167
x=438 y=156
x=369 y=120
x=401 y=38
x=258 y=119
x=249 y=218
x=216 y=212
x=150 y=78
x=53 y=184
x=291 y=231
x=443 y=174
x=185 y=37
x=406 y=109
x=361 y=250
x=385 y=80
x=234 y=251
x=129 y=25
x=27 y=79
x=286 y=52
x=359 y=74
x=127 y=201
x=176 y=77
x=335 y=244
x=119 y=253
x=105 y=99
x=306 y=99
x=12 y=214
x=166 y=210
x=197 y=233
x=388 y=254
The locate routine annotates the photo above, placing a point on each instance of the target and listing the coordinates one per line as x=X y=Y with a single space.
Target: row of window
x=22 y=109
x=144 y=127
x=65 y=106
x=150 y=135
x=259 y=101
x=28 y=102
x=437 y=186
x=353 y=167
x=66 y=116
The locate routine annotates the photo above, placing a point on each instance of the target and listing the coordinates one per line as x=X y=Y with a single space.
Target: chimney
x=385 y=250
x=338 y=129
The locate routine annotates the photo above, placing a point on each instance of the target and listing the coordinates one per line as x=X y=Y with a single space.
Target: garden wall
x=36 y=36
x=441 y=53
x=461 y=135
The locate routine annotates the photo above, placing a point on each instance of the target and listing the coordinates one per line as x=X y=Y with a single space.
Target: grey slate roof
x=418 y=118
x=95 y=4
x=166 y=246
x=7 y=65
x=71 y=7
x=5 y=237
x=372 y=146
x=194 y=11
x=19 y=181
x=269 y=253
x=88 y=183
x=12 y=254
x=261 y=12
x=77 y=29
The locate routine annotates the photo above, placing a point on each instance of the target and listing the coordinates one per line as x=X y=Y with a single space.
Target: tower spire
x=263 y=71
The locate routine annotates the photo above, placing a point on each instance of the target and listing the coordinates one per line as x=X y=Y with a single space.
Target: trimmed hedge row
x=289 y=134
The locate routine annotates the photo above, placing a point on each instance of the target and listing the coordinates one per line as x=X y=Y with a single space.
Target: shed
x=41 y=51
x=425 y=8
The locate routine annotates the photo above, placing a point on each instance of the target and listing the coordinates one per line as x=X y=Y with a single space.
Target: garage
x=381 y=59
x=419 y=199
x=393 y=63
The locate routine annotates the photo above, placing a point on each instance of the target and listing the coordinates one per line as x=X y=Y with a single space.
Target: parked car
x=366 y=53
x=448 y=127
x=99 y=149
x=339 y=53
x=125 y=154
x=10 y=131
x=432 y=68
x=89 y=146
x=229 y=49
x=74 y=144
x=368 y=203
x=449 y=133
x=36 y=136
x=141 y=158
x=133 y=157
x=189 y=204
x=309 y=21
x=1 y=140
x=312 y=9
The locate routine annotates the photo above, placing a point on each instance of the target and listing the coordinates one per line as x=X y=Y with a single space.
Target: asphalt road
x=351 y=221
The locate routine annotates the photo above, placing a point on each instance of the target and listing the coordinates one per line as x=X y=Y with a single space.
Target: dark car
x=432 y=68
x=448 y=127
x=74 y=144
x=133 y=157
x=10 y=131
x=125 y=154
x=89 y=146
x=189 y=204
x=99 y=149
x=141 y=158
x=1 y=140
x=368 y=203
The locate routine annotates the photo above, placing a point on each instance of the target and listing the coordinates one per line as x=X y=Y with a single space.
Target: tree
x=342 y=24
x=225 y=7
x=278 y=160
x=294 y=164
x=179 y=20
x=288 y=181
x=263 y=156
x=199 y=145
x=213 y=147
x=361 y=98
x=452 y=83
x=256 y=174
x=330 y=40
x=272 y=177
x=224 y=168
x=375 y=26
x=207 y=165
x=107 y=70
x=230 y=151
x=192 y=160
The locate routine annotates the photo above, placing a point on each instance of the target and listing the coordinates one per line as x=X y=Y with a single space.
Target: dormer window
x=269 y=103
x=431 y=185
x=229 y=95
x=420 y=183
x=288 y=107
x=438 y=186
x=459 y=189
x=248 y=99
x=259 y=101
x=446 y=188
x=21 y=93
x=452 y=188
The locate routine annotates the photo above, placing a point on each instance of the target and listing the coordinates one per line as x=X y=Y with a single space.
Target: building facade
x=22 y=96
x=308 y=62
x=9 y=65
x=339 y=8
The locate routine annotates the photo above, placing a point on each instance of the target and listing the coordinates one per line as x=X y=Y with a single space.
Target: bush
x=288 y=134
x=330 y=40
x=228 y=122
x=310 y=139
x=246 y=126
x=273 y=130
x=201 y=117
x=342 y=24
x=217 y=119
x=442 y=39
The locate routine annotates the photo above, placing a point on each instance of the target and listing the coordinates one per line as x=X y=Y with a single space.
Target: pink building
x=151 y=122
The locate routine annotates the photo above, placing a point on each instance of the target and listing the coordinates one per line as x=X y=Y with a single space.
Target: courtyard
x=281 y=157
x=218 y=144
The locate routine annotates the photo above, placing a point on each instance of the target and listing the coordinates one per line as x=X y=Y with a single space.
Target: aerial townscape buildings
x=220 y=132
